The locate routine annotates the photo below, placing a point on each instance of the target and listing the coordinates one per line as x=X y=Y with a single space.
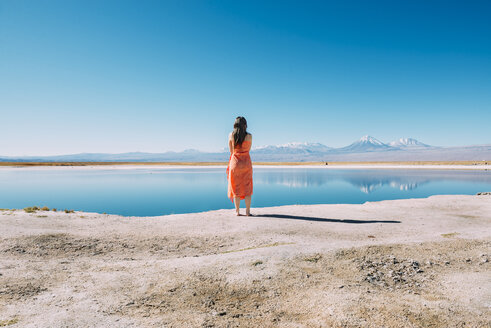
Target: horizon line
x=219 y=151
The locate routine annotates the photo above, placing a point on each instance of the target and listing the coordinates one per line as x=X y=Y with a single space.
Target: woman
x=239 y=170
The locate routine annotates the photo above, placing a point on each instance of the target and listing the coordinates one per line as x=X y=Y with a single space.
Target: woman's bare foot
x=238 y=214
x=249 y=214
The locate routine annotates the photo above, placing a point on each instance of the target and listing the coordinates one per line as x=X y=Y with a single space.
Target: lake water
x=152 y=191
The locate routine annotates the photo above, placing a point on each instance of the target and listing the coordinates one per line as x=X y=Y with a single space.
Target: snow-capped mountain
x=366 y=143
x=408 y=143
x=293 y=148
x=366 y=149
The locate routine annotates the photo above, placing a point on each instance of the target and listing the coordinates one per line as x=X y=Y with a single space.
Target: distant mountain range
x=408 y=143
x=365 y=149
x=366 y=143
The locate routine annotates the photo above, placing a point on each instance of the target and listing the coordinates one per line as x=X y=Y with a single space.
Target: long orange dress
x=239 y=171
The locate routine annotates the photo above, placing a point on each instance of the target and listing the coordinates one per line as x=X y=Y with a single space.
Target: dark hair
x=240 y=130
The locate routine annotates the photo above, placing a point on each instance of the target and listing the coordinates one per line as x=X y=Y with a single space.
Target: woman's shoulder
x=248 y=136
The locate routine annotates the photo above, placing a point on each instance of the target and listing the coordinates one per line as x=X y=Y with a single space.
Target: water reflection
x=366 y=181
x=370 y=184
x=149 y=191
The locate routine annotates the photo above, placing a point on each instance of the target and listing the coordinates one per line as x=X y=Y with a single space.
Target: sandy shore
x=402 y=263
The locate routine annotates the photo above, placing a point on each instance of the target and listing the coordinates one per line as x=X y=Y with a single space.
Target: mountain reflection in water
x=365 y=180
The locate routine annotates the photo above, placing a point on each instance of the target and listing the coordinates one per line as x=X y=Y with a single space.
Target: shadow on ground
x=309 y=218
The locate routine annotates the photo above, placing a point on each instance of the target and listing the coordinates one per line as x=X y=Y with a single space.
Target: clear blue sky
x=117 y=76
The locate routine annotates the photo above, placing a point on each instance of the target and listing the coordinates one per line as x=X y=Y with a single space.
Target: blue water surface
x=151 y=191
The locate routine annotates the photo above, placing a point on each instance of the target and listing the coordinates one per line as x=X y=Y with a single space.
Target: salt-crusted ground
x=403 y=263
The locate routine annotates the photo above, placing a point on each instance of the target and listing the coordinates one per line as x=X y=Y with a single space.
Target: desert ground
x=398 y=263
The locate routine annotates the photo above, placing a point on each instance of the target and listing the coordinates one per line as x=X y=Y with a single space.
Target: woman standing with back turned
x=239 y=170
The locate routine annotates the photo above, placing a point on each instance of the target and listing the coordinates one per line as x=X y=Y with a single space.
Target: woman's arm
x=249 y=137
x=231 y=143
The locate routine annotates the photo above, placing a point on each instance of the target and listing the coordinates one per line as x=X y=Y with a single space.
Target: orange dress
x=239 y=171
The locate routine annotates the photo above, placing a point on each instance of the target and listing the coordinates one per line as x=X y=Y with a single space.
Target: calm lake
x=156 y=191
